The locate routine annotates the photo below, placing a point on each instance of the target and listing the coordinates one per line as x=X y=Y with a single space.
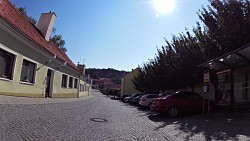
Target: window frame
x=34 y=72
x=66 y=81
x=75 y=83
x=71 y=85
x=12 y=71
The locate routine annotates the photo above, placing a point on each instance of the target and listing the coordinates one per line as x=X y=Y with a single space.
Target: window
x=81 y=88
x=153 y=96
x=6 y=64
x=70 y=82
x=28 y=72
x=76 y=83
x=64 y=81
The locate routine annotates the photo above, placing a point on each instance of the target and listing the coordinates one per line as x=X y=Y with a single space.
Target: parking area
x=223 y=125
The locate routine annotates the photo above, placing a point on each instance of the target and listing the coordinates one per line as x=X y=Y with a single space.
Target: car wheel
x=173 y=111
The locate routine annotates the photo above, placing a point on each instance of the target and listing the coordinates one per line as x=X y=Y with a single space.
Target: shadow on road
x=213 y=127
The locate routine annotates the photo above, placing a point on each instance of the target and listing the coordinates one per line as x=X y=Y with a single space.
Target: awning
x=232 y=60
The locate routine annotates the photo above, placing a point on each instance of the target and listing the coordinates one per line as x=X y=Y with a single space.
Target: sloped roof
x=233 y=60
x=21 y=23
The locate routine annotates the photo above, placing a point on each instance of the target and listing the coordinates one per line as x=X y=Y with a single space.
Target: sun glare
x=164 y=6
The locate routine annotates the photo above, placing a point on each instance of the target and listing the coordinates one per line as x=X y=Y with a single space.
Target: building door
x=224 y=88
x=48 y=92
x=245 y=87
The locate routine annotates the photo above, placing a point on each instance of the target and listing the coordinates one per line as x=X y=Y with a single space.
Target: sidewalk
x=25 y=100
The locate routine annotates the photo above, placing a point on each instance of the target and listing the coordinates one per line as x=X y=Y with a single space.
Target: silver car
x=147 y=99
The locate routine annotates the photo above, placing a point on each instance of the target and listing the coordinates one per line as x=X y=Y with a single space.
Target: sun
x=164 y=6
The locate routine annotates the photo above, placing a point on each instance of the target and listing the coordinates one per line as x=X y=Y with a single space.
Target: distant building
x=106 y=83
x=127 y=87
x=30 y=64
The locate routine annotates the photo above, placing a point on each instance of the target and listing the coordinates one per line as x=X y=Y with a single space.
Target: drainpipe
x=78 y=87
x=232 y=87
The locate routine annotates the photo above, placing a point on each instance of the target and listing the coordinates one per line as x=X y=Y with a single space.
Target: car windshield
x=166 y=96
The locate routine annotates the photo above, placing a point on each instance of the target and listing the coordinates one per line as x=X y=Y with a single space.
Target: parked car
x=127 y=99
x=132 y=96
x=146 y=100
x=177 y=103
x=135 y=98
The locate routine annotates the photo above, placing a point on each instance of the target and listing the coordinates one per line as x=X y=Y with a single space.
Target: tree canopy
x=24 y=12
x=223 y=27
x=57 y=39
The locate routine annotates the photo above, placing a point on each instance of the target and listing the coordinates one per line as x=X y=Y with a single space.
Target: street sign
x=206 y=77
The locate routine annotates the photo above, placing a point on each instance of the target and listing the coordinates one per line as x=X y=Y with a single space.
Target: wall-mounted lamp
x=54 y=57
x=64 y=64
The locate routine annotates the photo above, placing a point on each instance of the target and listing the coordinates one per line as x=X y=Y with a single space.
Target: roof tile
x=21 y=23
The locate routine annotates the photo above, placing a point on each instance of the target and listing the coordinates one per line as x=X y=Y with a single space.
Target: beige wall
x=25 y=50
x=15 y=87
x=127 y=87
x=59 y=91
x=87 y=89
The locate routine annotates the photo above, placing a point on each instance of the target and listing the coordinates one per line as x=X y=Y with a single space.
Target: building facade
x=232 y=72
x=127 y=86
x=30 y=64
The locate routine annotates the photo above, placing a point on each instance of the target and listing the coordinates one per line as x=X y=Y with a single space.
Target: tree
x=24 y=12
x=226 y=28
x=57 y=39
x=227 y=24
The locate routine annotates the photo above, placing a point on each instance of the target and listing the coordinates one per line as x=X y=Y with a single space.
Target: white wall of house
x=22 y=49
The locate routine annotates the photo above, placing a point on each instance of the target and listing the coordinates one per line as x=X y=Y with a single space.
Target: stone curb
x=5 y=100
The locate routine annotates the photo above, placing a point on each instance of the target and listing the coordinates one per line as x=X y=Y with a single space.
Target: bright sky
x=119 y=34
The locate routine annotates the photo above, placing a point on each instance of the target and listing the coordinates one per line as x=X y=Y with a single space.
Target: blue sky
x=119 y=34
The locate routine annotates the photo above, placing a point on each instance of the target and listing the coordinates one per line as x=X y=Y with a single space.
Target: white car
x=147 y=99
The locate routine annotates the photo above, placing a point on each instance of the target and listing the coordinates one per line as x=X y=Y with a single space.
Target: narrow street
x=99 y=118
x=93 y=119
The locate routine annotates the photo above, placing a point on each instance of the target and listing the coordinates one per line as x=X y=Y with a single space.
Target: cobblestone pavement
x=24 y=100
x=99 y=118
x=75 y=120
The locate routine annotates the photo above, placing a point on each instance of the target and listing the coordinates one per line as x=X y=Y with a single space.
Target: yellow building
x=127 y=87
x=30 y=64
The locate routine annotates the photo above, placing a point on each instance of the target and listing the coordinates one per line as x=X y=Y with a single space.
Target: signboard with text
x=206 y=77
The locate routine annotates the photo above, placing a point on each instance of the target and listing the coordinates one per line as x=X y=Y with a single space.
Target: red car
x=180 y=102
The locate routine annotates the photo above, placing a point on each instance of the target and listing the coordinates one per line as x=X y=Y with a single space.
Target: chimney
x=46 y=23
x=81 y=68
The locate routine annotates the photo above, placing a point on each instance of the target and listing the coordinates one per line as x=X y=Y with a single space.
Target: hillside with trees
x=114 y=75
